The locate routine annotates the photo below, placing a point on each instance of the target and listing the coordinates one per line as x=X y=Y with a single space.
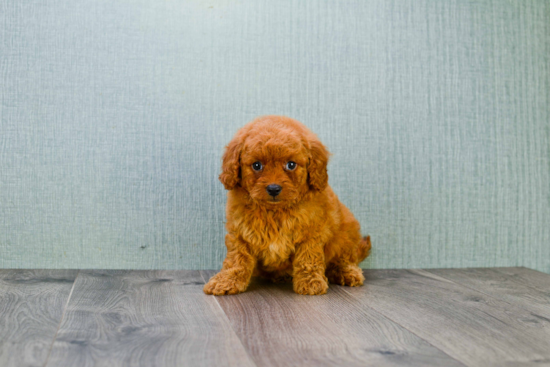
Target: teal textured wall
x=114 y=114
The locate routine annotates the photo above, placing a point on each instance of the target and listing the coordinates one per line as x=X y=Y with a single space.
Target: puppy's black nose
x=273 y=189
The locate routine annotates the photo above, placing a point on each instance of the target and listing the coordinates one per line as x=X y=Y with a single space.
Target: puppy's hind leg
x=345 y=270
x=345 y=273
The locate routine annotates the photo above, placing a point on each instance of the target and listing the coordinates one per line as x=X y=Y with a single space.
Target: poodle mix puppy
x=283 y=220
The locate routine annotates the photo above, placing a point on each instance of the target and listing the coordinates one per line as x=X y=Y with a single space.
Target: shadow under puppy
x=283 y=220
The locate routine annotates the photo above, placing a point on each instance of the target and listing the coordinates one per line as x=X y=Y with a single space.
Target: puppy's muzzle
x=273 y=189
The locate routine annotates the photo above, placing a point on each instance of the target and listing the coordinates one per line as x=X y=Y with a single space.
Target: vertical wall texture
x=114 y=114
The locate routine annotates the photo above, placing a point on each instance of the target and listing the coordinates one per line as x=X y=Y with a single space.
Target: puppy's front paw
x=224 y=283
x=311 y=285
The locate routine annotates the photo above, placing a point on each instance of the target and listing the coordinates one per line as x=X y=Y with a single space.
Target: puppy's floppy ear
x=317 y=168
x=231 y=163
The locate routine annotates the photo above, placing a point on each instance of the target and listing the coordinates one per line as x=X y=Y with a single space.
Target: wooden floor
x=451 y=317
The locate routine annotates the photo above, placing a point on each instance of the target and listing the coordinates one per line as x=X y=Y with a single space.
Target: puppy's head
x=276 y=160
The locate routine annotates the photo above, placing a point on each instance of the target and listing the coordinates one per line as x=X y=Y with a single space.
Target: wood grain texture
x=503 y=286
x=31 y=308
x=528 y=277
x=281 y=328
x=468 y=325
x=144 y=318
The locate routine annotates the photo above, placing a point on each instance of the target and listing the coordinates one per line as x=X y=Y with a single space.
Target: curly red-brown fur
x=304 y=234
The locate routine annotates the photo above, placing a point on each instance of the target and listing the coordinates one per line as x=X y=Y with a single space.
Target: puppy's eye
x=257 y=166
x=291 y=166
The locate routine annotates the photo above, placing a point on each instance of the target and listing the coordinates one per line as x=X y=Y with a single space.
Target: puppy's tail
x=363 y=250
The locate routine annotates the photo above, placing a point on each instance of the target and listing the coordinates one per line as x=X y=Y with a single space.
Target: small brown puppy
x=283 y=220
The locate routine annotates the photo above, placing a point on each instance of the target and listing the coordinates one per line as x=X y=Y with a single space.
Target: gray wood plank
x=281 y=328
x=144 y=318
x=31 y=308
x=466 y=324
x=529 y=277
x=502 y=286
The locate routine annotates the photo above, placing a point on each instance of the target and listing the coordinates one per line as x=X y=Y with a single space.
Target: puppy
x=283 y=220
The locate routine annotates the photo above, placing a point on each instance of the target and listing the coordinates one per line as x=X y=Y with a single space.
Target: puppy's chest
x=273 y=241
